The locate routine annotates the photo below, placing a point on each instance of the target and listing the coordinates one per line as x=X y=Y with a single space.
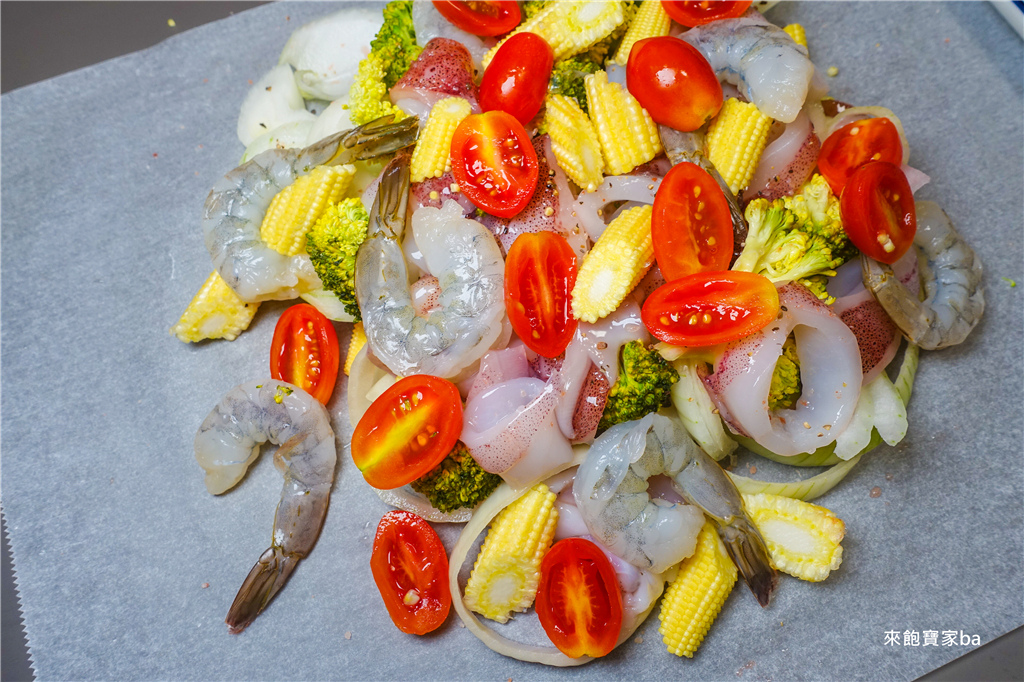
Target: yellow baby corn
x=803 y=539
x=797 y=33
x=619 y=260
x=693 y=600
x=298 y=206
x=216 y=312
x=430 y=158
x=355 y=345
x=570 y=26
x=574 y=142
x=627 y=134
x=736 y=139
x=651 y=20
x=507 y=570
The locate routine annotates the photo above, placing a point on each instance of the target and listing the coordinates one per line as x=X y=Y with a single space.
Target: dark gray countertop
x=42 y=40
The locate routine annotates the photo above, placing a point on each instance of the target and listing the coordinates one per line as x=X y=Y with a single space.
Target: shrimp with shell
x=236 y=205
x=229 y=440
x=954 y=296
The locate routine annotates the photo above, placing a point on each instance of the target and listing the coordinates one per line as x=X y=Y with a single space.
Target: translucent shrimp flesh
x=611 y=492
x=229 y=440
x=759 y=58
x=234 y=210
x=467 y=262
x=954 y=296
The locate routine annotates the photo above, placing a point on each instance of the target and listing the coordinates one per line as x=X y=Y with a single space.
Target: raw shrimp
x=954 y=296
x=467 y=262
x=229 y=440
x=234 y=210
x=759 y=58
x=611 y=492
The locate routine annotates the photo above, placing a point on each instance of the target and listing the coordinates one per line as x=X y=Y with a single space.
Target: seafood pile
x=576 y=288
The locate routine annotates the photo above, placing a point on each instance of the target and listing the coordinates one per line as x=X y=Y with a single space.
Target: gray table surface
x=42 y=40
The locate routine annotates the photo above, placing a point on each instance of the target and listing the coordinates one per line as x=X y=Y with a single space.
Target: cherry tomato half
x=710 y=308
x=494 y=162
x=855 y=144
x=877 y=208
x=481 y=17
x=673 y=81
x=410 y=568
x=691 y=225
x=407 y=431
x=516 y=80
x=540 y=273
x=700 y=12
x=305 y=351
x=578 y=599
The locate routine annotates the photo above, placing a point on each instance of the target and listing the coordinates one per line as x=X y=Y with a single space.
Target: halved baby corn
x=802 y=538
x=651 y=21
x=693 y=600
x=431 y=157
x=797 y=33
x=619 y=260
x=216 y=312
x=736 y=139
x=355 y=345
x=507 y=570
x=574 y=142
x=626 y=131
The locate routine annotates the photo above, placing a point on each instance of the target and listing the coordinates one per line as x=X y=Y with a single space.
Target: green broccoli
x=531 y=7
x=786 y=385
x=332 y=244
x=817 y=212
x=458 y=481
x=644 y=386
x=392 y=51
x=567 y=78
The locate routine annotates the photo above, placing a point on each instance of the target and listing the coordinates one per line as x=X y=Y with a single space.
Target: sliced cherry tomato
x=305 y=352
x=481 y=17
x=710 y=308
x=877 y=208
x=674 y=82
x=516 y=80
x=407 y=431
x=855 y=144
x=494 y=162
x=691 y=226
x=540 y=273
x=700 y=12
x=410 y=568
x=578 y=599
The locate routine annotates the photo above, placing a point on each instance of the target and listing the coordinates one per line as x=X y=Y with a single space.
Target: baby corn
x=570 y=26
x=651 y=21
x=355 y=345
x=216 y=312
x=736 y=139
x=627 y=134
x=797 y=33
x=574 y=142
x=802 y=538
x=507 y=570
x=431 y=157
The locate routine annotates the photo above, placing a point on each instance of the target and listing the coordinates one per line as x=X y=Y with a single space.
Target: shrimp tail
x=265 y=579
x=370 y=140
x=748 y=552
x=387 y=217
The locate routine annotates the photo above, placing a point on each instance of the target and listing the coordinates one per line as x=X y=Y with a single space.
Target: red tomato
x=674 y=82
x=494 y=162
x=699 y=12
x=516 y=81
x=410 y=568
x=877 y=208
x=481 y=17
x=578 y=600
x=855 y=144
x=305 y=352
x=710 y=308
x=540 y=273
x=407 y=431
x=691 y=226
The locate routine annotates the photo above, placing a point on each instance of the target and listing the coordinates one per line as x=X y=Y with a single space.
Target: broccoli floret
x=818 y=285
x=392 y=51
x=458 y=481
x=567 y=78
x=531 y=7
x=786 y=385
x=332 y=244
x=816 y=211
x=644 y=386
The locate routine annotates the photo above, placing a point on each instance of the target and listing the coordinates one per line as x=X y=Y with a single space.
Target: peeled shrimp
x=954 y=296
x=229 y=440
x=461 y=253
x=611 y=492
x=234 y=210
x=762 y=60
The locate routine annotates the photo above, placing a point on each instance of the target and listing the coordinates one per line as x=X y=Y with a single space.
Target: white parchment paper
x=126 y=565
